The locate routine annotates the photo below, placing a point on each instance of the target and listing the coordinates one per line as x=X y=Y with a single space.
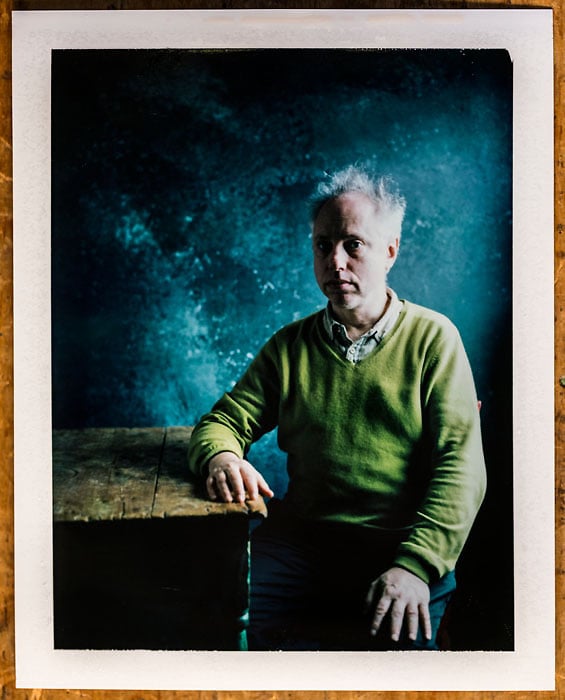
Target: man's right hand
x=234 y=479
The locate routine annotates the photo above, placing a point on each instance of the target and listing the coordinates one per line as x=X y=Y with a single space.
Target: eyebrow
x=349 y=236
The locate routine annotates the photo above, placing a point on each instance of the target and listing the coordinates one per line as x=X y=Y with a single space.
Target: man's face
x=351 y=256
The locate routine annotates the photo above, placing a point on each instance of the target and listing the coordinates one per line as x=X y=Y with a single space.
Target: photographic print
x=180 y=241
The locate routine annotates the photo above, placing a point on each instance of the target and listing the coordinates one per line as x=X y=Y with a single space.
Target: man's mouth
x=339 y=285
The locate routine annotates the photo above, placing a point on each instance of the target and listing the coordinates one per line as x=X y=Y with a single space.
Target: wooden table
x=142 y=559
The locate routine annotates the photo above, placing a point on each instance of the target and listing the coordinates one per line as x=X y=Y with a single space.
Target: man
x=375 y=406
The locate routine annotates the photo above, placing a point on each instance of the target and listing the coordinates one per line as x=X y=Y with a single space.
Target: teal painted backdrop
x=181 y=238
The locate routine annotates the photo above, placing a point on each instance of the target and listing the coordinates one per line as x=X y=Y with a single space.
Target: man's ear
x=392 y=252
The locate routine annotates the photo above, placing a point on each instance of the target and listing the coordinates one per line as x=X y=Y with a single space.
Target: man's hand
x=406 y=597
x=231 y=478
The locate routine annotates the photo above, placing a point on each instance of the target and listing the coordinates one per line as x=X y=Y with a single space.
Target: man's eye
x=323 y=247
x=352 y=246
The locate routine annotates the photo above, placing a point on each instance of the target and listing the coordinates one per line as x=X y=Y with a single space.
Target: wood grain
x=127 y=474
x=106 y=474
x=7 y=673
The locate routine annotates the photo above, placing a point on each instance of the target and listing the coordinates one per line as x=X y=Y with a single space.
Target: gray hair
x=382 y=191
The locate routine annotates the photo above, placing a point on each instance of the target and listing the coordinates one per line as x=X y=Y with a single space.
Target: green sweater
x=392 y=442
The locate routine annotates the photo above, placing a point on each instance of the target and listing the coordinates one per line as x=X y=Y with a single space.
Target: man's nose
x=338 y=258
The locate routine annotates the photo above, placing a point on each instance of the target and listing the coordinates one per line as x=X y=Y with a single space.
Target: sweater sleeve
x=241 y=416
x=457 y=481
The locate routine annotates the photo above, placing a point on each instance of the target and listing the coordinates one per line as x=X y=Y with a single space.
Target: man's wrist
x=209 y=454
x=416 y=567
x=217 y=454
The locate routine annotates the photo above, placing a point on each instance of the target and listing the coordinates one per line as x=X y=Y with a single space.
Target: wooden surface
x=6 y=452
x=129 y=473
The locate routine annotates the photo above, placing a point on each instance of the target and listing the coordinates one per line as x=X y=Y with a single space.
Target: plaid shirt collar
x=356 y=350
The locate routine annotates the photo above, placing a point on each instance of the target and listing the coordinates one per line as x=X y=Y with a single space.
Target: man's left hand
x=406 y=597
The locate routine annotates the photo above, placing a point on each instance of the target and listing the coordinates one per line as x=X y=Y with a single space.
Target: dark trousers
x=309 y=586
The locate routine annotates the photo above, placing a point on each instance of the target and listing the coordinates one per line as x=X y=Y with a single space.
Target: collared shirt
x=356 y=350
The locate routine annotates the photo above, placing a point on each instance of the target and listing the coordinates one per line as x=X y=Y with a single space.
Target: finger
x=380 y=611
x=255 y=483
x=211 y=488
x=412 y=616
x=369 y=597
x=425 y=620
x=250 y=483
x=237 y=485
x=396 y=619
x=264 y=487
x=221 y=486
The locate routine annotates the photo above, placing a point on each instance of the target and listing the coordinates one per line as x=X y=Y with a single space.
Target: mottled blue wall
x=180 y=230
